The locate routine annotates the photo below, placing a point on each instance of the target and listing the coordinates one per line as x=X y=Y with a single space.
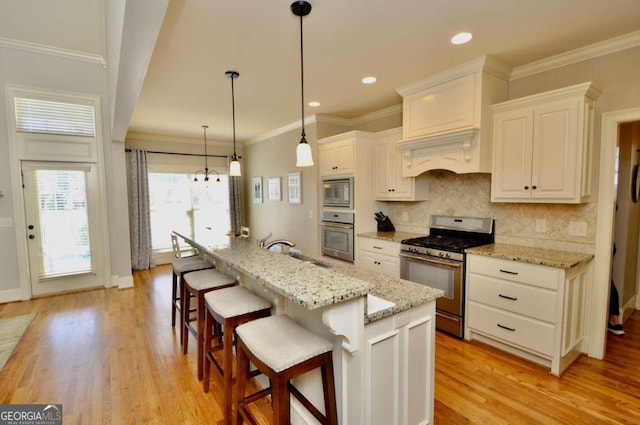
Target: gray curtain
x=139 y=215
x=235 y=205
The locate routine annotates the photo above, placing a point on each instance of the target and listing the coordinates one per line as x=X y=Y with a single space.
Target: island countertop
x=311 y=286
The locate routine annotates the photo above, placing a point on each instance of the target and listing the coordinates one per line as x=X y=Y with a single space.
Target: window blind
x=46 y=116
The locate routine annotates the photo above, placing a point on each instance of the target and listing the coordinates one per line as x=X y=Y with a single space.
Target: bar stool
x=197 y=284
x=182 y=265
x=283 y=350
x=226 y=309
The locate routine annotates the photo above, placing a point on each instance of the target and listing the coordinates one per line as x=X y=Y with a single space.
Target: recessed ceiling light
x=369 y=80
x=461 y=38
x=314 y=103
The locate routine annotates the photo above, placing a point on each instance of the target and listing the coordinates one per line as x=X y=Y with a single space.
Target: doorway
x=599 y=294
x=61 y=214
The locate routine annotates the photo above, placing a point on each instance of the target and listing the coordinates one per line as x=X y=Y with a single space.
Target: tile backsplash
x=469 y=195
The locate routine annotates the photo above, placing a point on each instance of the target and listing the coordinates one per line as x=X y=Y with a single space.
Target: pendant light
x=303 y=151
x=234 y=165
x=206 y=167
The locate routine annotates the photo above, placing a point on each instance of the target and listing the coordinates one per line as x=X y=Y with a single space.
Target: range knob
x=440 y=254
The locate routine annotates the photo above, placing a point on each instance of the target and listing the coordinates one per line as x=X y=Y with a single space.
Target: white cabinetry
x=337 y=157
x=379 y=256
x=533 y=311
x=389 y=184
x=446 y=118
x=543 y=147
x=399 y=370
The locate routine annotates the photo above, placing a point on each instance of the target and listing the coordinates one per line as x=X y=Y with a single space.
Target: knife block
x=385 y=225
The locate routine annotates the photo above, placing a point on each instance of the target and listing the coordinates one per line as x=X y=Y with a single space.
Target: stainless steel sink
x=306 y=259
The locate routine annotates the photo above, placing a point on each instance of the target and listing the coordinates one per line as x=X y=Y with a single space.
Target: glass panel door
x=60 y=214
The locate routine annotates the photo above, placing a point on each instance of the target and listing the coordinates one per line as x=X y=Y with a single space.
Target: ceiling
x=344 y=40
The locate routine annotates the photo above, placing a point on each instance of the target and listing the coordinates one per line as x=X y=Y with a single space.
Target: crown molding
x=329 y=119
x=595 y=50
x=51 y=51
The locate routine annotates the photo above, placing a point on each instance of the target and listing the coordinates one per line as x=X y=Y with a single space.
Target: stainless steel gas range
x=438 y=260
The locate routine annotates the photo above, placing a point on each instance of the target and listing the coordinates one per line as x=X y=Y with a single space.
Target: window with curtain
x=199 y=209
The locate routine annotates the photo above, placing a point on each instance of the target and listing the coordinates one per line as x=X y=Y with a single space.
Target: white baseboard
x=10 y=295
x=125 y=282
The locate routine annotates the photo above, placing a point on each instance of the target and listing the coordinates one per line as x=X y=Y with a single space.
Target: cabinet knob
x=526 y=188
x=534 y=187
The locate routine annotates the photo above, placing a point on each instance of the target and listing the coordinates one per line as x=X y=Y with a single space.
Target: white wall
x=52 y=73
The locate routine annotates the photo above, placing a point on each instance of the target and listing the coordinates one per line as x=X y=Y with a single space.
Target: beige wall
x=276 y=157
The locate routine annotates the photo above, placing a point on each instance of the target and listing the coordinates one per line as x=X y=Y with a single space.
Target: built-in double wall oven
x=337 y=235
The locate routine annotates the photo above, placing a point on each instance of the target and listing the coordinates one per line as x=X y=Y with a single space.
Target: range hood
x=446 y=121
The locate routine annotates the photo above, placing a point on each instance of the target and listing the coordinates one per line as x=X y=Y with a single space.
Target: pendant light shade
x=234 y=165
x=304 y=157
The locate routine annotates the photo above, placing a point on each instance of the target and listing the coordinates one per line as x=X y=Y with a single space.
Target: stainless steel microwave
x=337 y=192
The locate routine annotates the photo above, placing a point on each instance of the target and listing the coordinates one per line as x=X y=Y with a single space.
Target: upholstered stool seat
x=226 y=309
x=180 y=267
x=197 y=284
x=282 y=350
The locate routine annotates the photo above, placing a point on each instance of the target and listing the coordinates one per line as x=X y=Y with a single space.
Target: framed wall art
x=294 y=185
x=256 y=186
x=273 y=189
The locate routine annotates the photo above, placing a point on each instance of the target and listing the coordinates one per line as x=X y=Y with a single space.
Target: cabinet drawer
x=544 y=277
x=380 y=246
x=514 y=297
x=512 y=329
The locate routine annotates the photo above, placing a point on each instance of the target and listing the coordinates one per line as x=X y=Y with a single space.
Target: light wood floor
x=111 y=357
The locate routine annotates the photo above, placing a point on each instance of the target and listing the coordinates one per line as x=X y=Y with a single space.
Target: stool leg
x=200 y=336
x=242 y=376
x=328 y=386
x=280 y=400
x=208 y=331
x=228 y=370
x=185 y=301
x=174 y=297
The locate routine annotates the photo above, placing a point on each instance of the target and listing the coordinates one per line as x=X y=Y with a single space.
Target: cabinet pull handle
x=508 y=297
x=508 y=272
x=377 y=247
x=506 y=327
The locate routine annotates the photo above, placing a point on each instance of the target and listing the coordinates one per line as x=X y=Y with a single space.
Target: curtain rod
x=185 y=154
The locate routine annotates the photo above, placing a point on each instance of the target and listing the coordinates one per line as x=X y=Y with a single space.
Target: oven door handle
x=341 y=226
x=434 y=260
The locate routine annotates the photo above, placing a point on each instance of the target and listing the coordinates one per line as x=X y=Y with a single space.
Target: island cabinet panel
x=399 y=369
x=533 y=311
x=543 y=147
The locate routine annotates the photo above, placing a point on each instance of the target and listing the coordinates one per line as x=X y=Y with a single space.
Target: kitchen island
x=383 y=356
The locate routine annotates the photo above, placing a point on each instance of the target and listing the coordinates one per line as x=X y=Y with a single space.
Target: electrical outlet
x=577 y=228
x=541 y=226
x=310 y=213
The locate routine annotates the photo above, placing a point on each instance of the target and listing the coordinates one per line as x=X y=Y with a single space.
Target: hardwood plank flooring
x=111 y=357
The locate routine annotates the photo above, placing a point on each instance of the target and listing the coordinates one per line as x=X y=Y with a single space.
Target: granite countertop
x=390 y=236
x=538 y=256
x=314 y=287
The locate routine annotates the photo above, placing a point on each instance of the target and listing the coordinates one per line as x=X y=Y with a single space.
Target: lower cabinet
x=399 y=370
x=533 y=311
x=379 y=256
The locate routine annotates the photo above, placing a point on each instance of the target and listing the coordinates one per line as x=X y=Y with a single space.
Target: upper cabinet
x=389 y=184
x=446 y=122
x=336 y=157
x=543 y=147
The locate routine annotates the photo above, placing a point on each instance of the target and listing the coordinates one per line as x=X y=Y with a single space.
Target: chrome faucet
x=263 y=241
x=279 y=241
